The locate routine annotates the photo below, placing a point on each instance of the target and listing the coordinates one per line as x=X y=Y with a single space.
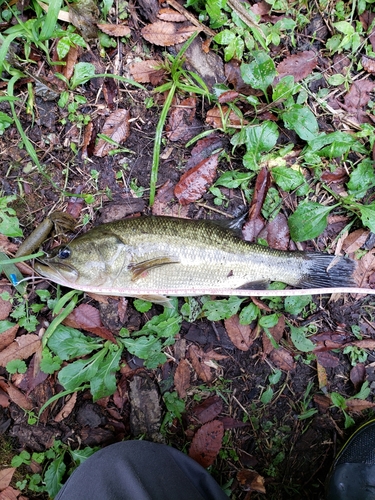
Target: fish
x=154 y=257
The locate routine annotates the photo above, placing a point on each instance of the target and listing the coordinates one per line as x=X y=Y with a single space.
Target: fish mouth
x=63 y=274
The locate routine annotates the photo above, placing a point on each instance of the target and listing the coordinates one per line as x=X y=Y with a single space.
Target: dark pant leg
x=140 y=470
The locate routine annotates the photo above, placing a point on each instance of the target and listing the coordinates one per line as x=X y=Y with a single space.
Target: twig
x=190 y=17
x=243 y=14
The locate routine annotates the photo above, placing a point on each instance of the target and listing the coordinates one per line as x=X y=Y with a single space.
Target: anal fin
x=161 y=300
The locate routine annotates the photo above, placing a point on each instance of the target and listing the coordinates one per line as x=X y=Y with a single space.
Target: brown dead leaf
x=368 y=64
x=163 y=204
x=277 y=232
x=357 y=405
x=327 y=359
x=195 y=182
x=21 y=348
x=196 y=355
x=114 y=29
x=355 y=240
x=67 y=409
x=322 y=376
x=228 y=96
x=180 y=121
x=9 y=493
x=203 y=149
x=207 y=443
x=214 y=118
x=70 y=61
x=283 y=359
x=18 y=397
x=5 y=305
x=356 y=100
x=241 y=335
x=251 y=481
x=7 y=337
x=298 y=65
x=6 y=477
x=209 y=409
x=358 y=375
x=338 y=175
x=214 y=355
x=147 y=71
x=255 y=222
x=84 y=16
x=166 y=34
x=88 y=318
x=364 y=344
x=323 y=402
x=276 y=332
x=171 y=15
x=364 y=269
x=117 y=128
x=182 y=378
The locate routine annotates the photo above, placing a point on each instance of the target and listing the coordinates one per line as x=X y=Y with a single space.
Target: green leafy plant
x=340 y=402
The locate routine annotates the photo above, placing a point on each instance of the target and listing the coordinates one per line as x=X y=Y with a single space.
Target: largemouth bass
x=165 y=256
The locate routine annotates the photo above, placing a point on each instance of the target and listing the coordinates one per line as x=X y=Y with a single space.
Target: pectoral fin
x=156 y=299
x=141 y=268
x=254 y=285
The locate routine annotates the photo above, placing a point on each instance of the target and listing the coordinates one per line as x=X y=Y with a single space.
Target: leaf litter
x=229 y=347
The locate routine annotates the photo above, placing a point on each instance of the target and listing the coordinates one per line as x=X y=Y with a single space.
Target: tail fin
x=328 y=271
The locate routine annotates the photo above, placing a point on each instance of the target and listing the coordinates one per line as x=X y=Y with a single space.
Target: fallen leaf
x=276 y=332
x=203 y=149
x=364 y=269
x=322 y=376
x=21 y=348
x=323 y=402
x=208 y=410
x=9 y=494
x=87 y=140
x=6 y=477
x=88 y=318
x=180 y=121
x=355 y=240
x=70 y=61
x=5 y=305
x=364 y=344
x=182 y=378
x=283 y=359
x=241 y=335
x=166 y=34
x=232 y=423
x=84 y=16
x=196 y=356
x=214 y=355
x=338 y=175
x=357 y=405
x=7 y=337
x=117 y=128
x=277 y=232
x=195 y=182
x=168 y=14
x=149 y=71
x=164 y=205
x=327 y=359
x=18 y=397
x=255 y=222
x=298 y=65
x=368 y=64
x=358 y=375
x=356 y=100
x=114 y=29
x=207 y=443
x=250 y=480
x=215 y=116
x=228 y=96
x=67 y=409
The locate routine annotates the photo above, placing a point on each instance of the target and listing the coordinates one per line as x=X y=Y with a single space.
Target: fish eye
x=64 y=253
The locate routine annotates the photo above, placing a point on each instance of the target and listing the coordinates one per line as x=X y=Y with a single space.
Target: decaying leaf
x=117 y=128
x=364 y=269
x=207 y=443
x=21 y=348
x=357 y=405
x=283 y=359
x=6 y=477
x=114 y=29
x=358 y=375
x=5 y=305
x=368 y=64
x=197 y=180
x=7 y=337
x=166 y=34
x=88 y=318
x=168 y=14
x=163 y=204
x=322 y=376
x=215 y=118
x=298 y=65
x=355 y=240
x=209 y=409
x=196 y=356
x=182 y=378
x=84 y=15
x=181 y=119
x=251 y=480
x=149 y=71
x=10 y=493
x=276 y=333
x=240 y=335
x=67 y=409
x=255 y=222
x=16 y=395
